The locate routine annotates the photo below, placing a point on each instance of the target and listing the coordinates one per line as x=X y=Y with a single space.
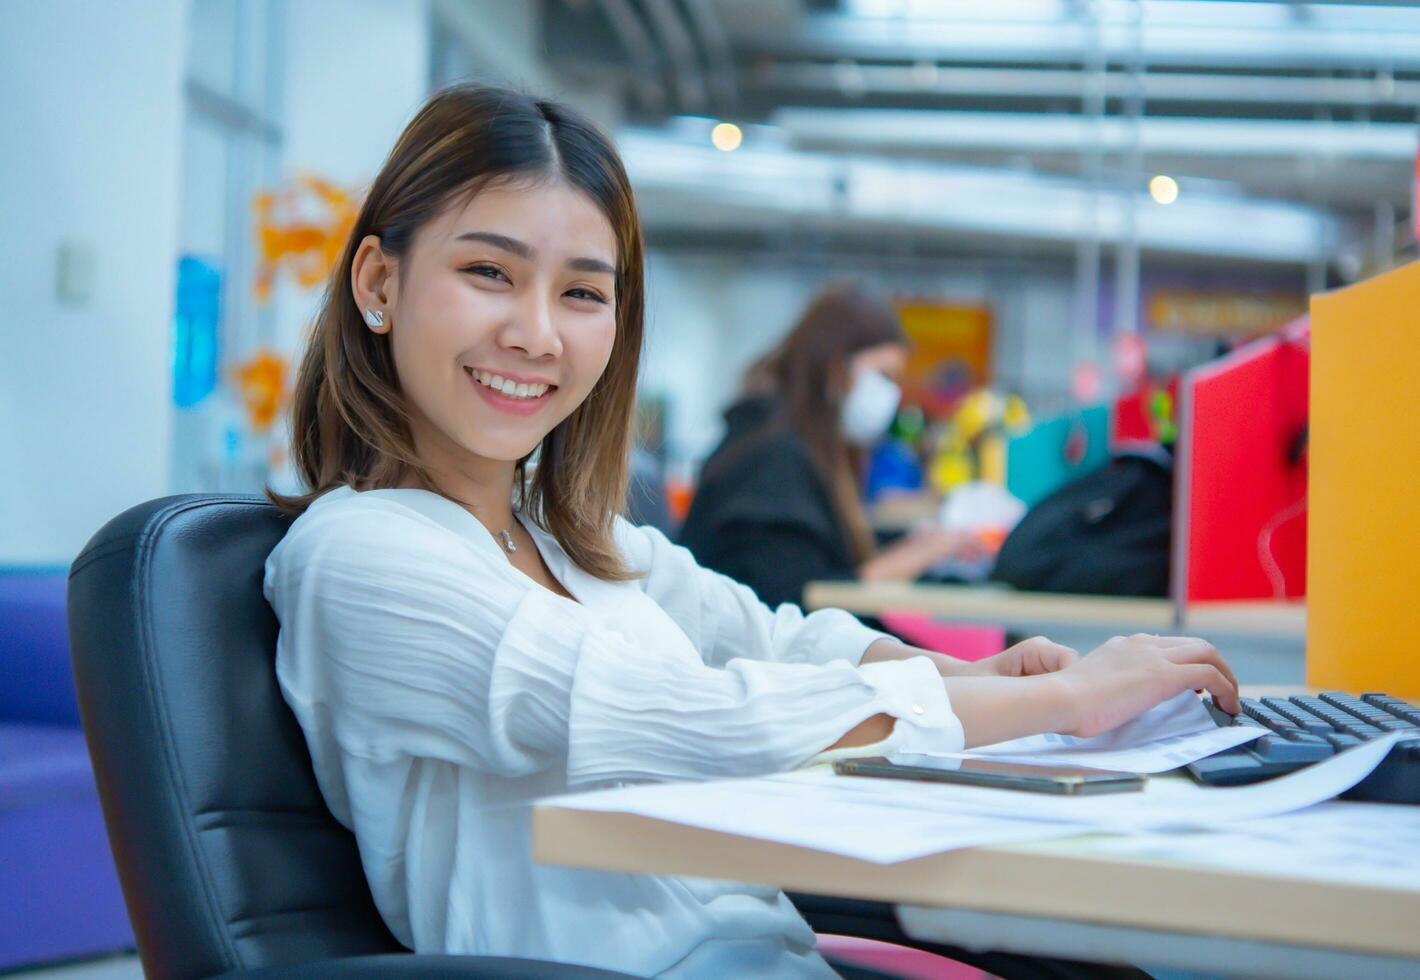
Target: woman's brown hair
x=808 y=371
x=348 y=416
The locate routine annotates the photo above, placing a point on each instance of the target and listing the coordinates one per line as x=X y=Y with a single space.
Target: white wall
x=90 y=121
x=348 y=95
x=356 y=71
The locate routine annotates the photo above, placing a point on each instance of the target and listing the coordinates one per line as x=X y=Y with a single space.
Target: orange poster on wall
x=951 y=353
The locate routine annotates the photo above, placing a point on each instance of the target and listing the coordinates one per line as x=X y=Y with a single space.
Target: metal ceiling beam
x=894 y=130
x=1315 y=43
x=928 y=78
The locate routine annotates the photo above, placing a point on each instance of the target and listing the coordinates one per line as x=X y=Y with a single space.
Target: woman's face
x=502 y=317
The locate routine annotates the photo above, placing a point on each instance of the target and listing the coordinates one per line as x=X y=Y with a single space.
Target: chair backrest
x=227 y=854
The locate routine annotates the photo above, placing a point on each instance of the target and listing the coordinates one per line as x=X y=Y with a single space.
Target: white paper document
x=1173 y=734
x=1165 y=802
x=822 y=814
x=1371 y=844
x=890 y=820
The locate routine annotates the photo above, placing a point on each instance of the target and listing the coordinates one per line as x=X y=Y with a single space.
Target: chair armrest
x=409 y=966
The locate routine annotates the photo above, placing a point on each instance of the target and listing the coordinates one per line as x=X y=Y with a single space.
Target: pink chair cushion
x=963 y=642
x=899 y=961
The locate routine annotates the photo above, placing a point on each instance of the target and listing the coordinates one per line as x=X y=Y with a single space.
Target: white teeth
x=509 y=388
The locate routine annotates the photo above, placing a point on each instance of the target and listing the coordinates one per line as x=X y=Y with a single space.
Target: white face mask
x=869 y=409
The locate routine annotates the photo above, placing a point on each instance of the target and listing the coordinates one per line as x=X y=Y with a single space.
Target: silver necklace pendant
x=507 y=537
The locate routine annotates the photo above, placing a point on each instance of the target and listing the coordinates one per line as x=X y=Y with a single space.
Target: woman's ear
x=373 y=284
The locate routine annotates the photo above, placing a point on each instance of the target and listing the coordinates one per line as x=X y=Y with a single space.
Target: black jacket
x=762 y=514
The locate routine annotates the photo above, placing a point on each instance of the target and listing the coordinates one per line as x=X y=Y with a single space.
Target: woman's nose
x=534 y=330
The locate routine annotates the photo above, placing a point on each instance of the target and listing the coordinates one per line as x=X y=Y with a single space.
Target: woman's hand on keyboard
x=1127 y=676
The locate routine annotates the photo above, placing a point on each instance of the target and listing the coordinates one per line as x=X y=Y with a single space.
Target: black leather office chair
x=229 y=860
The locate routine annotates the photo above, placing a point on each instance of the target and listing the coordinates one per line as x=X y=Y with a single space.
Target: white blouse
x=441 y=691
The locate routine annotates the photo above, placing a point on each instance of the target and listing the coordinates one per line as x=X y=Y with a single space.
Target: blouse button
x=917 y=709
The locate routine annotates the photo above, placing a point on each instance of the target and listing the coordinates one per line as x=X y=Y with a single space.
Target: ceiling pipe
x=626 y=24
x=718 y=56
x=675 y=39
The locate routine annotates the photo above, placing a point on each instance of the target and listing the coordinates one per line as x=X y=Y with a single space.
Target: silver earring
x=374 y=318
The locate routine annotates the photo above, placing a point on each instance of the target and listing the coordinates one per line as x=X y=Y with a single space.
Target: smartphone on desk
x=1070 y=781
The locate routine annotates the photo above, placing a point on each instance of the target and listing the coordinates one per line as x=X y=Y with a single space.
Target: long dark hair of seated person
x=778 y=503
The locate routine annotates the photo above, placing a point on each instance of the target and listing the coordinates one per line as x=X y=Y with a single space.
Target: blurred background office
x=1069 y=203
x=1039 y=184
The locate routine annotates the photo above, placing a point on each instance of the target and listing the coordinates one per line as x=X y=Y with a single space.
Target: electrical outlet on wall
x=74 y=273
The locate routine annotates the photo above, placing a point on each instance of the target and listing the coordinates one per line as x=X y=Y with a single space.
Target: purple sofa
x=58 y=888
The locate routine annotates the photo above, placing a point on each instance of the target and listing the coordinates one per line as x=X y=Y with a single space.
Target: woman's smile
x=510 y=394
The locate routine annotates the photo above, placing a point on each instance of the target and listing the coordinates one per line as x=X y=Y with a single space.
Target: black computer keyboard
x=1306 y=729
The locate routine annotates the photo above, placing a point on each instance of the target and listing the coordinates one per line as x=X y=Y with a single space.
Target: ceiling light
x=726 y=136
x=1163 y=189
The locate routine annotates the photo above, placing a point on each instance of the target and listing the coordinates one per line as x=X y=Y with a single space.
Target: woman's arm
x=1116 y=682
x=400 y=641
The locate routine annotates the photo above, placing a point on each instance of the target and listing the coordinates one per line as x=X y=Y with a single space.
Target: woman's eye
x=586 y=294
x=487 y=271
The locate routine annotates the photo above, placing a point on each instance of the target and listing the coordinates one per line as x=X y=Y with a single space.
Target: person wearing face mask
x=779 y=502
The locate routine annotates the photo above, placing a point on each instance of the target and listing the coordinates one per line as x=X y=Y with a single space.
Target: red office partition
x=1240 y=509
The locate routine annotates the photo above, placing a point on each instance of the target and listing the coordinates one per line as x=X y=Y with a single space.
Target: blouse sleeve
x=725 y=618
x=405 y=643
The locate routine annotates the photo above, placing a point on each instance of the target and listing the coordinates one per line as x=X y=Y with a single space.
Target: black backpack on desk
x=1106 y=533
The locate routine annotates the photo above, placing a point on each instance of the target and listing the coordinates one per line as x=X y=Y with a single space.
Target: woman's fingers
x=1164 y=641
x=1051 y=656
x=1172 y=641
x=1215 y=682
x=1201 y=652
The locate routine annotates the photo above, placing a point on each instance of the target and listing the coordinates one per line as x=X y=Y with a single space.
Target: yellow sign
x=1221 y=314
x=951 y=353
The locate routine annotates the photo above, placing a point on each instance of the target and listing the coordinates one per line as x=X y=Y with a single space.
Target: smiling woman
x=500 y=242
x=462 y=634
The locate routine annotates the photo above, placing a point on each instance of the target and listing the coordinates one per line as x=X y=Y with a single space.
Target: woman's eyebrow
x=507 y=244
x=524 y=250
x=591 y=265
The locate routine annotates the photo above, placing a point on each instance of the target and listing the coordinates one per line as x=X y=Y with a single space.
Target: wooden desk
x=1066 y=897
x=1116 y=907
x=1036 y=610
